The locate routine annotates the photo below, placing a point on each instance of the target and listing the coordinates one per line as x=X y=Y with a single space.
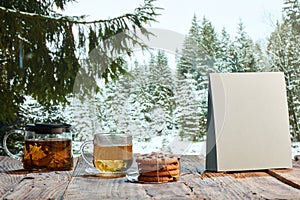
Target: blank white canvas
x=248 y=122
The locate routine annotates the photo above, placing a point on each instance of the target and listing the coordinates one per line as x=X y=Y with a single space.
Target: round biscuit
x=170 y=173
x=157 y=158
x=154 y=167
x=156 y=179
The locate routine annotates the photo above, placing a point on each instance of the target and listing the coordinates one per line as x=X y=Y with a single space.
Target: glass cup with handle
x=112 y=154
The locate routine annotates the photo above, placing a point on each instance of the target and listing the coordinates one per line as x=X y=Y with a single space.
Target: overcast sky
x=258 y=16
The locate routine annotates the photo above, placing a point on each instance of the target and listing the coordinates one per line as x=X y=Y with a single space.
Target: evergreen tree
x=292 y=13
x=223 y=60
x=260 y=57
x=208 y=46
x=208 y=41
x=160 y=79
x=198 y=59
x=117 y=101
x=140 y=102
x=37 y=113
x=38 y=49
x=243 y=52
x=161 y=88
x=189 y=56
x=160 y=72
x=284 y=52
x=188 y=111
x=85 y=118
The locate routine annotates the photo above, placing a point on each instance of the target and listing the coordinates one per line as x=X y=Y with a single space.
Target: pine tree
x=189 y=56
x=208 y=40
x=160 y=72
x=39 y=49
x=198 y=59
x=160 y=87
x=208 y=46
x=85 y=118
x=243 y=54
x=118 y=105
x=37 y=113
x=223 y=56
x=208 y=52
x=284 y=52
x=292 y=13
x=188 y=110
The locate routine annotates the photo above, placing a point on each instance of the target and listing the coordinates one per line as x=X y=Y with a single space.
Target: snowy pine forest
x=164 y=105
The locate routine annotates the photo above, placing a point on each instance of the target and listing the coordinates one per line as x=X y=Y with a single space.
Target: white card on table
x=248 y=122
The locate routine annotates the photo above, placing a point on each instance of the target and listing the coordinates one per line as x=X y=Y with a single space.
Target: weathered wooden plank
x=86 y=186
x=10 y=174
x=192 y=164
x=98 y=188
x=89 y=186
x=269 y=187
x=9 y=164
x=246 y=185
x=192 y=185
x=220 y=187
x=38 y=185
x=172 y=190
x=288 y=176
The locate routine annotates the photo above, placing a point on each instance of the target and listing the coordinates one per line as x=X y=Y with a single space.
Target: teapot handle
x=85 y=158
x=5 y=145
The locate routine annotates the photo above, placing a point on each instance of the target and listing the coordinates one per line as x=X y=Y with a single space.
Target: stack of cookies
x=158 y=167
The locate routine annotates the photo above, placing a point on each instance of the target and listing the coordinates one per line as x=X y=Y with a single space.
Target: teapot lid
x=44 y=128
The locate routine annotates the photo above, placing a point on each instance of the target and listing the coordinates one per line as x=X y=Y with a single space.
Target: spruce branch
x=143 y=13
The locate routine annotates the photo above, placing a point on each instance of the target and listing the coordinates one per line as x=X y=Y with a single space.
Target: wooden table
x=194 y=183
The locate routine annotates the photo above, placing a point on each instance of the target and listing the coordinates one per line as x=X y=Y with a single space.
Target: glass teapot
x=47 y=146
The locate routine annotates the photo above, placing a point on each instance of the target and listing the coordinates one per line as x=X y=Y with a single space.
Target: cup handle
x=82 y=147
x=5 y=145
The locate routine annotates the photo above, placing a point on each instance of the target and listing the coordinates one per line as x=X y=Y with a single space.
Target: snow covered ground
x=173 y=144
x=170 y=144
x=185 y=147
